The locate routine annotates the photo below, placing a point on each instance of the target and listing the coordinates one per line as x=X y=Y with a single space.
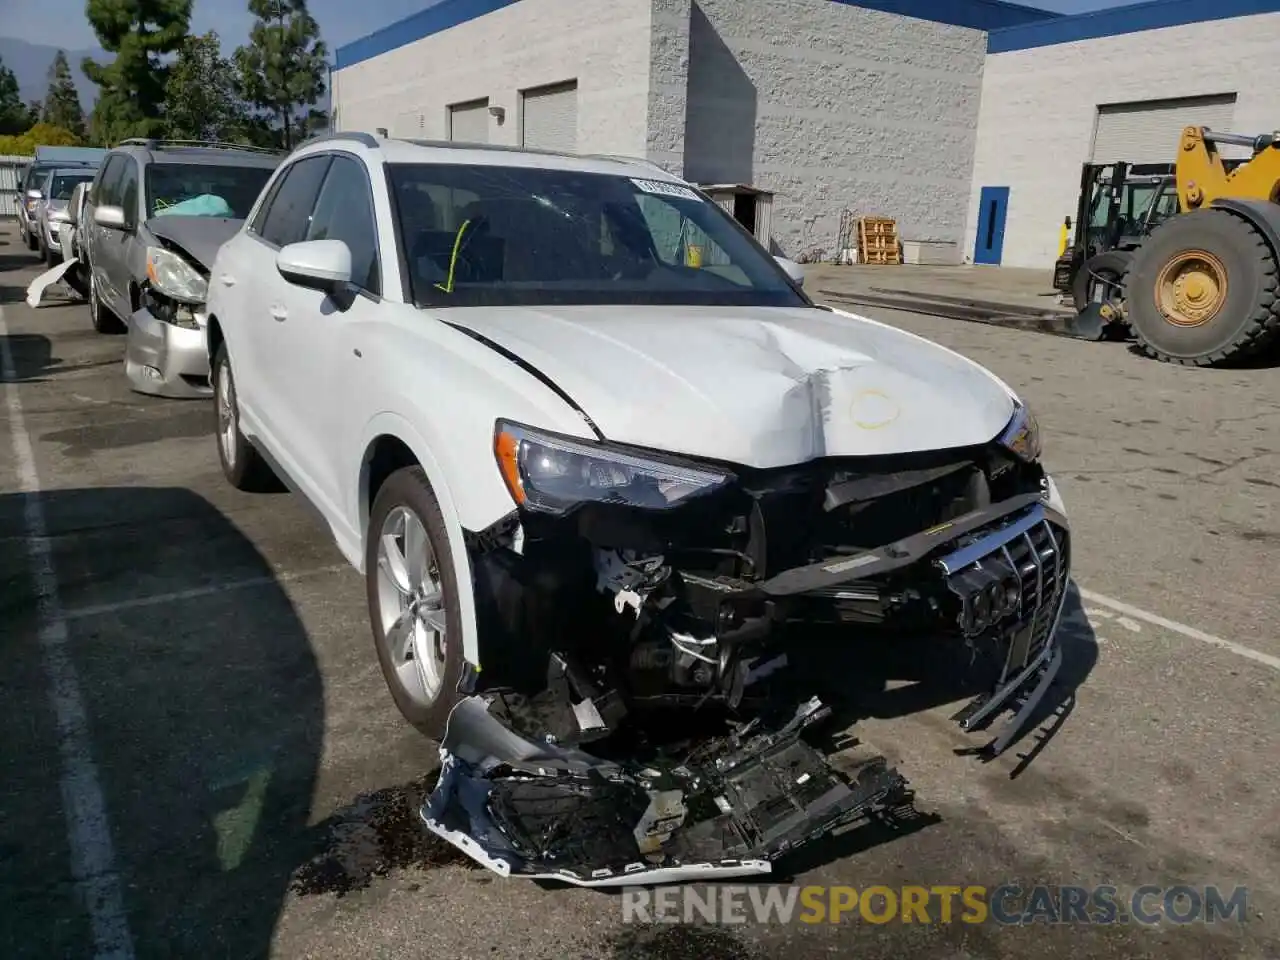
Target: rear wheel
x=242 y=464
x=413 y=601
x=1202 y=290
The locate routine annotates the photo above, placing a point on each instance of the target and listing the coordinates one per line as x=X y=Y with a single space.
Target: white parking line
x=85 y=810
x=195 y=593
x=1191 y=633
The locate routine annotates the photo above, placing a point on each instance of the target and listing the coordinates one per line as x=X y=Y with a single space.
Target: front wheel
x=103 y=320
x=32 y=243
x=1204 y=289
x=1099 y=278
x=412 y=591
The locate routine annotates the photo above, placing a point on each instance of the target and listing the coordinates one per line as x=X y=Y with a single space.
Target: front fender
x=392 y=424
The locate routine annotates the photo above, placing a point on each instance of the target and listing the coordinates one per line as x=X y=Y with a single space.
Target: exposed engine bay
x=655 y=681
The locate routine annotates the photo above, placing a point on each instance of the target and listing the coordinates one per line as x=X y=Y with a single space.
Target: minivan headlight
x=175 y=277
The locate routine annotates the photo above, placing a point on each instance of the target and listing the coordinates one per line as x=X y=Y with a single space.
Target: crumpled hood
x=754 y=386
x=199 y=237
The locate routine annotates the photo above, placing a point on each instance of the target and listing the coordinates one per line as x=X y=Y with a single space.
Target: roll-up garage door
x=469 y=122
x=1148 y=131
x=551 y=118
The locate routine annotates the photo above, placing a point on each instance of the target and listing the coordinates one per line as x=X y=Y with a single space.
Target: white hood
x=755 y=386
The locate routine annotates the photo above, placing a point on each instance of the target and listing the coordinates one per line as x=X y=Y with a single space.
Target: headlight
x=174 y=277
x=1022 y=436
x=553 y=474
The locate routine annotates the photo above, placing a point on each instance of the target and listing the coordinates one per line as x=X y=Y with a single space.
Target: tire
x=1112 y=265
x=242 y=464
x=407 y=492
x=77 y=280
x=103 y=320
x=1247 y=319
x=32 y=243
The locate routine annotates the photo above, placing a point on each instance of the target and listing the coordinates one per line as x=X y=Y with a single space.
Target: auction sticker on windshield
x=665 y=189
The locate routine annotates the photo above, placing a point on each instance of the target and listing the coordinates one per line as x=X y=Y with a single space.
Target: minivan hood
x=199 y=237
x=755 y=386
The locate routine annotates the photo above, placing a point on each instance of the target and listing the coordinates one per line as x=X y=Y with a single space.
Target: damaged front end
x=661 y=640
x=166 y=354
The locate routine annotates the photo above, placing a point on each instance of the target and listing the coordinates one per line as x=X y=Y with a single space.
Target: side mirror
x=323 y=265
x=794 y=270
x=110 y=217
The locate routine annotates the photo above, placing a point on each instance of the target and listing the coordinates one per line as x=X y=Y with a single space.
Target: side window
x=260 y=218
x=344 y=211
x=104 y=188
x=128 y=192
x=289 y=212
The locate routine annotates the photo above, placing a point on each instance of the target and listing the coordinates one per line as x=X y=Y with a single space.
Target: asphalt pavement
x=200 y=758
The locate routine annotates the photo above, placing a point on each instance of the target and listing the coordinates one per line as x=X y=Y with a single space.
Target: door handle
x=279 y=313
x=227 y=280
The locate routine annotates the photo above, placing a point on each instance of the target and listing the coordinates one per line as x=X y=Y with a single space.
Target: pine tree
x=62 y=102
x=200 y=95
x=15 y=116
x=282 y=69
x=132 y=87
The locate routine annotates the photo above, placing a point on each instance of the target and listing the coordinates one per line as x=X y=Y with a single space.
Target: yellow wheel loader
x=1203 y=288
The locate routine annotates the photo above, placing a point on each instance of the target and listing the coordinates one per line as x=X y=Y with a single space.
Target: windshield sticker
x=663 y=189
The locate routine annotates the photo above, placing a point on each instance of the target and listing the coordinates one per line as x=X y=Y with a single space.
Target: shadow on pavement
x=204 y=715
x=32 y=357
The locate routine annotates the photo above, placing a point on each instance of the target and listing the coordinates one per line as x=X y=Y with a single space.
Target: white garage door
x=1149 y=131
x=551 y=118
x=469 y=122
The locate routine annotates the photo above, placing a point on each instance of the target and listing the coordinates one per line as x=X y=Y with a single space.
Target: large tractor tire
x=1109 y=266
x=1203 y=289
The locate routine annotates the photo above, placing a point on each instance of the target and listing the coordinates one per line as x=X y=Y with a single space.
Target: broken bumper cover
x=167 y=360
x=729 y=809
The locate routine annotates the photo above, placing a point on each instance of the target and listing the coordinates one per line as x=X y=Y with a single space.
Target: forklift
x=1119 y=204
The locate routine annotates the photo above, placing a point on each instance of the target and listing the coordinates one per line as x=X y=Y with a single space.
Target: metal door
x=993 y=206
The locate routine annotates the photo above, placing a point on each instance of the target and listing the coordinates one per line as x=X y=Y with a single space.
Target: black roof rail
x=357 y=135
x=159 y=143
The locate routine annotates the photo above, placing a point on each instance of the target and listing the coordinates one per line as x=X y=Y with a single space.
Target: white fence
x=11 y=172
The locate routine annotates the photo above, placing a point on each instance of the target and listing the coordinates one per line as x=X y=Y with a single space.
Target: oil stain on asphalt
x=378 y=833
x=678 y=943
x=196 y=421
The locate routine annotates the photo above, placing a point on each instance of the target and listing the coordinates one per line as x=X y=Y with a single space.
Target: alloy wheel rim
x=226 y=415
x=411 y=605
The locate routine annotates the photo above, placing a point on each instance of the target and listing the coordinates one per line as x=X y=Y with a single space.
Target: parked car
x=33 y=194
x=156 y=215
x=53 y=210
x=610 y=498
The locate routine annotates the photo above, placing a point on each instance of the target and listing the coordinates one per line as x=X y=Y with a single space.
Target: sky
x=62 y=22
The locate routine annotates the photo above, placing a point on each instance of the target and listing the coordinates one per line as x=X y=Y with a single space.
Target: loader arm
x=1202 y=176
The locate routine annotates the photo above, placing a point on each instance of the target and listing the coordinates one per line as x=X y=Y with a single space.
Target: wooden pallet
x=878 y=241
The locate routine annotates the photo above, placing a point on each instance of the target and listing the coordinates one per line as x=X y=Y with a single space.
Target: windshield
x=488 y=235
x=203 y=190
x=64 y=183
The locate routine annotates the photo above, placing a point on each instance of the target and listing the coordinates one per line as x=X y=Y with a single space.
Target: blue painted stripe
x=1121 y=20
x=440 y=15
x=975 y=14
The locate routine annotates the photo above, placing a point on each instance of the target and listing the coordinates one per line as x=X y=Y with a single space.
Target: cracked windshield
x=481 y=235
x=203 y=190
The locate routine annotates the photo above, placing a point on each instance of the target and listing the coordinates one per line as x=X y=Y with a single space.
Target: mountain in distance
x=30 y=63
